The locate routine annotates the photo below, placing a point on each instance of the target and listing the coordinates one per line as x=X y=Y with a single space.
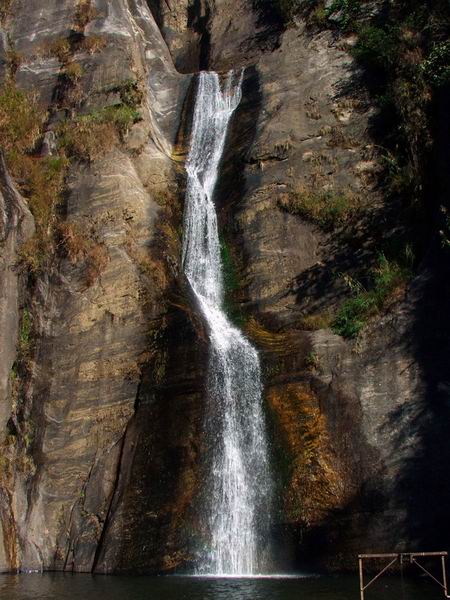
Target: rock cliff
x=102 y=351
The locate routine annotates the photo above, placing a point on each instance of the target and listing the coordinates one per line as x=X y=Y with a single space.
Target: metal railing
x=402 y=558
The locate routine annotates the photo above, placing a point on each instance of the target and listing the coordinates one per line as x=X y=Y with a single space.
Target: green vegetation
x=387 y=284
x=42 y=184
x=63 y=48
x=90 y=136
x=312 y=361
x=121 y=116
x=86 y=140
x=375 y=47
x=328 y=209
x=340 y=13
x=344 y=13
x=230 y=284
x=436 y=67
x=230 y=280
x=25 y=331
x=389 y=279
x=41 y=178
x=130 y=92
x=403 y=53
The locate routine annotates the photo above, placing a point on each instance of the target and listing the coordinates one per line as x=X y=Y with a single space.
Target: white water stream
x=238 y=489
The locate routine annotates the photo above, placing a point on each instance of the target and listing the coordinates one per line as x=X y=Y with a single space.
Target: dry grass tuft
x=96 y=261
x=93 y=44
x=316 y=321
x=73 y=72
x=21 y=119
x=59 y=48
x=326 y=208
x=73 y=241
x=5 y=9
x=14 y=59
x=84 y=13
x=39 y=179
x=338 y=138
x=86 y=140
x=79 y=247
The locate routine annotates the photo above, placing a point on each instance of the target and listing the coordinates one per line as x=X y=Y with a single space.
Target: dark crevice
x=193 y=55
x=199 y=23
x=155 y=9
x=113 y=496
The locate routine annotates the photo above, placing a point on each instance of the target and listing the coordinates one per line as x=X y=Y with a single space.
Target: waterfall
x=238 y=488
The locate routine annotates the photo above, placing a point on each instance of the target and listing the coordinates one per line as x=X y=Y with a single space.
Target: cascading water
x=238 y=491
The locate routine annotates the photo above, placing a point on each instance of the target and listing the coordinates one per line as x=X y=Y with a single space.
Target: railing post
x=444 y=576
x=361 y=578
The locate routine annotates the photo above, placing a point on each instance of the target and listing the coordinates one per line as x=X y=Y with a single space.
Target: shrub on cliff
x=389 y=279
x=376 y=47
x=122 y=116
x=131 y=92
x=436 y=67
x=343 y=14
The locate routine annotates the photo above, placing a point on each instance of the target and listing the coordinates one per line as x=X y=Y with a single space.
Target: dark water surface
x=57 y=586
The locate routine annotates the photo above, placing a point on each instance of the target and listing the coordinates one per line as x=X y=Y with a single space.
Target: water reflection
x=58 y=586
